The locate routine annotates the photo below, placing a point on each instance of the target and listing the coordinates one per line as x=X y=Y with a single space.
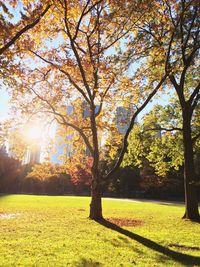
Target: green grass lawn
x=55 y=231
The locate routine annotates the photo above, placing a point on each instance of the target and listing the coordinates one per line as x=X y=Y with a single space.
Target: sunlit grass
x=55 y=231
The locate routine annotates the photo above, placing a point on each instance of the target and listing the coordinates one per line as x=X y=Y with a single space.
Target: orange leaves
x=75 y=62
x=45 y=171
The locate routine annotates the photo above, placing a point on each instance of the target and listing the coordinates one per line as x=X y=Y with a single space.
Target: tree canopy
x=92 y=56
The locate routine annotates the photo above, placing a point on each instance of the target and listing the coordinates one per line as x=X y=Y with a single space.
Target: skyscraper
x=123 y=117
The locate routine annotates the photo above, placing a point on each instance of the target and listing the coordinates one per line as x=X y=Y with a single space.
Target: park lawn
x=55 y=231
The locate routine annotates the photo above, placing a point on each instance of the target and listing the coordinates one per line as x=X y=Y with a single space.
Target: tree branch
x=22 y=31
x=76 y=128
x=178 y=89
x=189 y=31
x=163 y=129
x=102 y=98
x=195 y=94
x=125 y=141
x=64 y=72
x=73 y=46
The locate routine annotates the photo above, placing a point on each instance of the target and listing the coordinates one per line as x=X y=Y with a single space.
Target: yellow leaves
x=113 y=143
x=126 y=82
x=45 y=171
x=74 y=12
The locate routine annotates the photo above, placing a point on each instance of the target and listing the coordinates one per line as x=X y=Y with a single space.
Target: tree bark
x=191 y=197
x=95 y=205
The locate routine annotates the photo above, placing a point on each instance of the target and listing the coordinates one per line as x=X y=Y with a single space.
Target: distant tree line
x=153 y=166
x=51 y=179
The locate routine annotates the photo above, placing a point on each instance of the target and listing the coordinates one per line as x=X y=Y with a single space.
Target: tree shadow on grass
x=185 y=259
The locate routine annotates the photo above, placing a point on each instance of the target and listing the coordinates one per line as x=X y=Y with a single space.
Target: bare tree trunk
x=191 y=198
x=95 y=205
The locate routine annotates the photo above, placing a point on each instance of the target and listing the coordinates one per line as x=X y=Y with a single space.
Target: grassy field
x=55 y=231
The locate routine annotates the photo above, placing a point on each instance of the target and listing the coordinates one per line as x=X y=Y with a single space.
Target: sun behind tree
x=34 y=132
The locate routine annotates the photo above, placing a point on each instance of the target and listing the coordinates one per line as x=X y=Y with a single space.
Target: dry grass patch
x=126 y=222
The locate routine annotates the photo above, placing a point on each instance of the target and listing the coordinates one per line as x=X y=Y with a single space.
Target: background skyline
x=5 y=104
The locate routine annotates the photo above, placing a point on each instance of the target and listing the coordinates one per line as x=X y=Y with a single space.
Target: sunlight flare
x=34 y=132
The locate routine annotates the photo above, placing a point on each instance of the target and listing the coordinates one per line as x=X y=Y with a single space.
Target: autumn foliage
x=95 y=55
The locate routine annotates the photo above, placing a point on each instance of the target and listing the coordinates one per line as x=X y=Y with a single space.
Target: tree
x=80 y=172
x=49 y=178
x=11 y=32
x=175 y=33
x=157 y=139
x=84 y=68
x=14 y=26
x=158 y=142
